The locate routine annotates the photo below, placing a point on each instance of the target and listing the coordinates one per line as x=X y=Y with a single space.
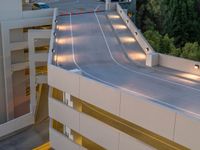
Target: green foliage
x=162 y=44
x=171 y=26
x=182 y=21
x=153 y=38
x=191 y=51
x=167 y=45
x=149 y=15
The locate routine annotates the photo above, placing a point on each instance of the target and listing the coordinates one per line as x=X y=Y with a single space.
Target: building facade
x=17 y=48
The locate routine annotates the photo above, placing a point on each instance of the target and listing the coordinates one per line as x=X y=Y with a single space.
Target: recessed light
x=196 y=66
x=53 y=50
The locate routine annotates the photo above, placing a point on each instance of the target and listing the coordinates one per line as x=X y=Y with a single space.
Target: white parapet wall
x=134 y=30
x=102 y=134
x=187 y=131
x=152 y=56
x=181 y=64
x=91 y=91
x=127 y=142
x=143 y=112
x=61 y=142
x=38 y=13
x=16 y=124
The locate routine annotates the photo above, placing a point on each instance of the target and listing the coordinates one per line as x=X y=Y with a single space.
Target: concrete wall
x=34 y=58
x=38 y=13
x=127 y=142
x=70 y=86
x=135 y=31
x=95 y=130
x=181 y=64
x=71 y=118
x=100 y=95
x=148 y=115
x=16 y=124
x=10 y=9
x=61 y=142
x=187 y=131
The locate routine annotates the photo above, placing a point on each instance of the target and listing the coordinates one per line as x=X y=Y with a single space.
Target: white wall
x=181 y=64
x=16 y=124
x=148 y=115
x=71 y=119
x=10 y=9
x=91 y=128
x=132 y=27
x=127 y=142
x=101 y=95
x=61 y=142
x=187 y=131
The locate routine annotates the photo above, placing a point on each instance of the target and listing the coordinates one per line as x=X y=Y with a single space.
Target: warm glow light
x=119 y=26
x=55 y=58
x=196 y=66
x=63 y=41
x=63 y=27
x=136 y=56
x=65 y=58
x=127 y=39
x=113 y=16
x=189 y=76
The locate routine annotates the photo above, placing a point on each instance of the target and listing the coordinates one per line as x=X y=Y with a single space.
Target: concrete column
x=32 y=72
x=108 y=3
x=2 y=91
x=152 y=59
x=67 y=99
x=7 y=71
x=67 y=132
x=32 y=35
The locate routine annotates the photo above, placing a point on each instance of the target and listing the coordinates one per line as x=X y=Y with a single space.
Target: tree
x=191 y=51
x=167 y=45
x=182 y=21
x=154 y=39
x=132 y=10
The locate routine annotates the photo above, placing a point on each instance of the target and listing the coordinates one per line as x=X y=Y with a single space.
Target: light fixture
x=119 y=26
x=147 y=49
x=136 y=33
x=54 y=34
x=196 y=66
x=62 y=41
x=114 y=16
x=127 y=21
x=53 y=50
x=62 y=27
x=56 y=21
x=127 y=39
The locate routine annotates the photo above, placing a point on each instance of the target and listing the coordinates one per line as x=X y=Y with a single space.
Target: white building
x=24 y=42
x=88 y=114
x=81 y=117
